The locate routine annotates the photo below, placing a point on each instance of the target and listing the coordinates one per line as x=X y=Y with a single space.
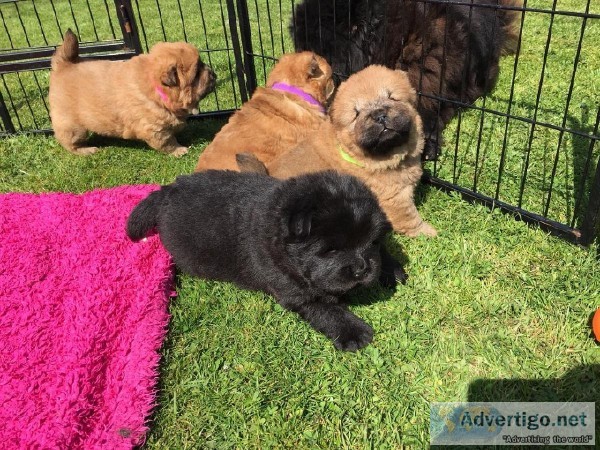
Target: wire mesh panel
x=532 y=142
x=28 y=35
x=530 y=145
x=206 y=24
x=31 y=30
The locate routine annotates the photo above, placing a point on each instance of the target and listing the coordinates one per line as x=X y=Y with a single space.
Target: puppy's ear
x=170 y=78
x=314 y=71
x=329 y=89
x=248 y=162
x=412 y=97
x=300 y=224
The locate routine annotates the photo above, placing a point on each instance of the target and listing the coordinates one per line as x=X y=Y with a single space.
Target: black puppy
x=306 y=240
x=449 y=51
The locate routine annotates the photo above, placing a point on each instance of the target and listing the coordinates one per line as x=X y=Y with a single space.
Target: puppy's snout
x=402 y=126
x=212 y=76
x=360 y=268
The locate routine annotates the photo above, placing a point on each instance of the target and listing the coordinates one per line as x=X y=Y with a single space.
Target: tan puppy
x=147 y=97
x=277 y=116
x=376 y=134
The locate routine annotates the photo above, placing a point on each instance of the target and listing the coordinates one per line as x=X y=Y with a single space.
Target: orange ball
x=596 y=324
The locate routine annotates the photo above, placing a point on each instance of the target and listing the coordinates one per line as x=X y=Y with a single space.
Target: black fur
x=306 y=240
x=449 y=51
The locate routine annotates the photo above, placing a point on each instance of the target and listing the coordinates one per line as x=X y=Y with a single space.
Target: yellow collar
x=346 y=157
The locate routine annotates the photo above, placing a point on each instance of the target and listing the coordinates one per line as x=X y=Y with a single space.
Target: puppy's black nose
x=360 y=268
x=212 y=75
x=380 y=116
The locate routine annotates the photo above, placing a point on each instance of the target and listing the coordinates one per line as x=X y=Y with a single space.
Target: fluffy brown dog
x=147 y=97
x=375 y=134
x=277 y=116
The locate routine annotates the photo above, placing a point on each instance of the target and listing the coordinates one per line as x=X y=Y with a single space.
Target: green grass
x=489 y=299
x=493 y=310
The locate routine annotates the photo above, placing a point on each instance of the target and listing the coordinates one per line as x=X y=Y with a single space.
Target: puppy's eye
x=356 y=112
x=329 y=251
x=391 y=97
x=375 y=243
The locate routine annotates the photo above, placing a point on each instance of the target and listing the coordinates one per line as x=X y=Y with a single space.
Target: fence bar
x=5 y=116
x=591 y=220
x=240 y=67
x=128 y=25
x=556 y=228
x=223 y=114
x=44 y=63
x=245 y=31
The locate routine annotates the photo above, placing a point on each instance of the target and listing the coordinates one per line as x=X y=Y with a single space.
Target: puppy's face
x=375 y=112
x=334 y=233
x=307 y=71
x=180 y=73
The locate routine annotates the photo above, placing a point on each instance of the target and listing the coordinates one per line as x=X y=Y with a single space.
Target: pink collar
x=299 y=92
x=162 y=94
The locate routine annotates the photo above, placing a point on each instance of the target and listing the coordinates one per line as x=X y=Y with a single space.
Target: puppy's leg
x=165 y=142
x=72 y=139
x=403 y=215
x=433 y=137
x=334 y=320
x=392 y=271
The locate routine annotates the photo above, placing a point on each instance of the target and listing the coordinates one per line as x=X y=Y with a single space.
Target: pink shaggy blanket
x=83 y=312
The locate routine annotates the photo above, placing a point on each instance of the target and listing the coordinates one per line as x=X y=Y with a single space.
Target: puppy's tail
x=144 y=216
x=68 y=52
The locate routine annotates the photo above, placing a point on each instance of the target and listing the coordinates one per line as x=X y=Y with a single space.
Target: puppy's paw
x=431 y=151
x=353 y=335
x=391 y=276
x=428 y=230
x=424 y=229
x=84 y=151
x=179 y=151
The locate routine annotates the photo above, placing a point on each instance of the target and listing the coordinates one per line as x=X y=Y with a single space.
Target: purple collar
x=299 y=92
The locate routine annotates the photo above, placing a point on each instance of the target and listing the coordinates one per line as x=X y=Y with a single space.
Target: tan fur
x=393 y=177
x=272 y=121
x=512 y=26
x=119 y=98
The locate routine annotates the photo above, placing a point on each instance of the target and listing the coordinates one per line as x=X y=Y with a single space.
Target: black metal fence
x=530 y=147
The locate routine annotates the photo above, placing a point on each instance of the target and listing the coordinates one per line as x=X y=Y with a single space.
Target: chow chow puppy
x=449 y=51
x=280 y=237
x=375 y=134
x=147 y=97
x=277 y=116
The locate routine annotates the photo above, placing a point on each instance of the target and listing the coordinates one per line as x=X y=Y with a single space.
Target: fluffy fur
x=449 y=51
x=375 y=123
x=147 y=97
x=280 y=237
x=273 y=121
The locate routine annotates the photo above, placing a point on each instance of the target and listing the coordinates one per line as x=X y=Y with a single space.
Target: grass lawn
x=493 y=310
